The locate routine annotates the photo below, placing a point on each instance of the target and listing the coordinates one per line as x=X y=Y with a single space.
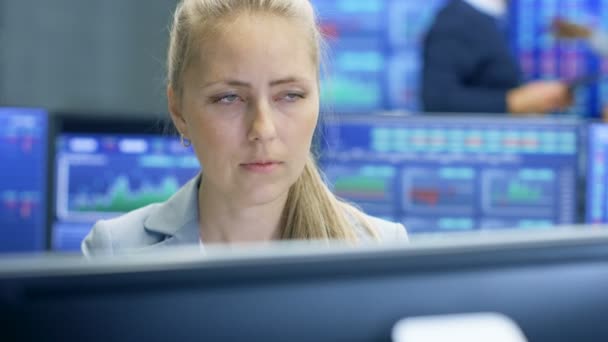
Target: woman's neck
x=223 y=219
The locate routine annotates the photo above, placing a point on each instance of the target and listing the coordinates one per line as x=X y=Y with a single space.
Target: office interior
x=489 y=200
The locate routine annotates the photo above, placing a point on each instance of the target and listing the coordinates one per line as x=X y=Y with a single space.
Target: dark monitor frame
x=550 y=284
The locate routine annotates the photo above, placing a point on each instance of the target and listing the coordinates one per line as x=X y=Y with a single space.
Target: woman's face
x=250 y=105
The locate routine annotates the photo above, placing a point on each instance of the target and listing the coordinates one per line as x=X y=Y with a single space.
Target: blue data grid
x=374 y=53
x=23 y=184
x=542 y=56
x=597 y=176
x=452 y=174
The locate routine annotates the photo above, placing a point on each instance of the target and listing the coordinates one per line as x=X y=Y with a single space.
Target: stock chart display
x=104 y=175
x=541 y=56
x=597 y=175
x=23 y=156
x=375 y=50
x=453 y=174
x=374 y=58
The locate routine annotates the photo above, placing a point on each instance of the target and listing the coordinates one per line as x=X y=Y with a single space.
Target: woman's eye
x=227 y=99
x=292 y=97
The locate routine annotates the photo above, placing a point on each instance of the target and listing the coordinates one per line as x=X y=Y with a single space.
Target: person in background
x=468 y=66
x=243 y=90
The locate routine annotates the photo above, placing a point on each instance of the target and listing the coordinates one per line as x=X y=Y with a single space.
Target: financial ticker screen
x=100 y=176
x=440 y=174
x=374 y=58
x=597 y=175
x=542 y=56
x=23 y=184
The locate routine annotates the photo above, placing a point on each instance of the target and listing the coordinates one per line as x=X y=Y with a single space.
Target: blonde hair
x=312 y=211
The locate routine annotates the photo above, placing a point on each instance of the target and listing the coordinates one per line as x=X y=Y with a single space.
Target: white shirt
x=493 y=8
x=599 y=42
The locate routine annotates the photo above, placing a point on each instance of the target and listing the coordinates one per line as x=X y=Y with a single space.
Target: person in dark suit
x=469 y=68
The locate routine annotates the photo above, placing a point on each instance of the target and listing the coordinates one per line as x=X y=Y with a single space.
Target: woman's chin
x=265 y=195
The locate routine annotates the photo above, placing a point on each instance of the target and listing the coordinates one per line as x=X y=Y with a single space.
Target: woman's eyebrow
x=238 y=83
x=290 y=79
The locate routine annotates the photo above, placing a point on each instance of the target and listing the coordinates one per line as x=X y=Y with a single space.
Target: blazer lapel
x=177 y=218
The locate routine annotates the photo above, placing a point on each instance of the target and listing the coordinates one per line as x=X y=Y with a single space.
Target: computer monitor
x=597 y=175
x=542 y=56
x=550 y=286
x=375 y=53
x=108 y=172
x=23 y=179
x=445 y=174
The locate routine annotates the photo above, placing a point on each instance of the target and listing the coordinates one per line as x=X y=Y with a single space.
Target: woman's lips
x=262 y=166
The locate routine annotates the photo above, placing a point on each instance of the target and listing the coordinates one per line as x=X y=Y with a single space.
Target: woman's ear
x=174 y=102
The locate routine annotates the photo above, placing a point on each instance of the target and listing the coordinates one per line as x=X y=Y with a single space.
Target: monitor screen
x=597 y=177
x=443 y=174
x=542 y=56
x=23 y=179
x=100 y=176
x=374 y=48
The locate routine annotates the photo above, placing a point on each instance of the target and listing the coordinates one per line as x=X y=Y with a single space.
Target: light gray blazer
x=175 y=223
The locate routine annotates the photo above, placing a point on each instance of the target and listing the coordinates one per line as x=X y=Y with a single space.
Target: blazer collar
x=178 y=216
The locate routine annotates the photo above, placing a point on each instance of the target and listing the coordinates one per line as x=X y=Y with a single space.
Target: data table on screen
x=23 y=179
x=597 y=175
x=453 y=174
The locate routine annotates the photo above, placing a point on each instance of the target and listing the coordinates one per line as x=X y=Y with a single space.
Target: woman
x=243 y=90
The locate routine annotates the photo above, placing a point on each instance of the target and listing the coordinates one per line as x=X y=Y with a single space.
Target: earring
x=184 y=141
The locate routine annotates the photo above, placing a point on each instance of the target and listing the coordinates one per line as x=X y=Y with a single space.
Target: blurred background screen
x=374 y=58
x=23 y=179
x=597 y=175
x=130 y=172
x=438 y=174
x=103 y=175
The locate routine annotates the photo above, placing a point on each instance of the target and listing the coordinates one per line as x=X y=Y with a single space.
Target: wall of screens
x=433 y=175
